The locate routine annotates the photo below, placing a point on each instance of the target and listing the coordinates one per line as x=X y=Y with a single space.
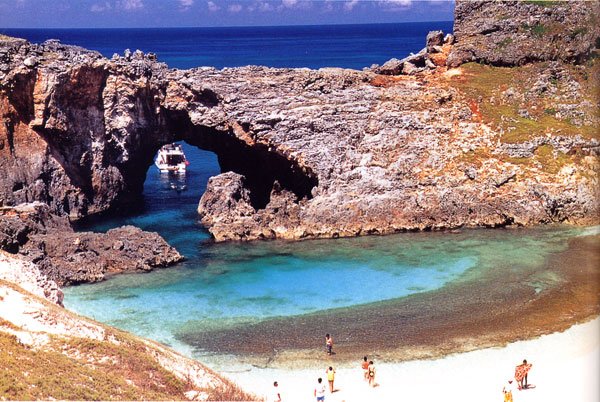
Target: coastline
x=459 y=318
x=565 y=367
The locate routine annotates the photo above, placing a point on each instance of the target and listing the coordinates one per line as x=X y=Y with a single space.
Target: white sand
x=566 y=367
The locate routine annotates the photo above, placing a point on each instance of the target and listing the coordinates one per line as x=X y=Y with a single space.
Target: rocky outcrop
x=512 y=33
x=434 y=54
x=226 y=208
x=305 y=153
x=68 y=257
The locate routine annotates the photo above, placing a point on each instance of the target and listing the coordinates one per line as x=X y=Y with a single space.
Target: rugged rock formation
x=512 y=33
x=434 y=54
x=322 y=153
x=42 y=343
x=66 y=257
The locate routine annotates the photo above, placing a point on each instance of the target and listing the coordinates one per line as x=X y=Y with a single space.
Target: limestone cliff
x=512 y=33
x=312 y=153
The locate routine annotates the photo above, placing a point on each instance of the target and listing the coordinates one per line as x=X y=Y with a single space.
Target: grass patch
x=505 y=42
x=76 y=368
x=538 y=29
x=480 y=83
x=543 y=3
x=26 y=374
x=578 y=31
x=550 y=162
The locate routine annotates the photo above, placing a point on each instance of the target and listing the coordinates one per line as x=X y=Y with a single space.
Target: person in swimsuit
x=276 y=396
x=320 y=390
x=330 y=377
x=371 y=373
x=365 y=367
x=329 y=343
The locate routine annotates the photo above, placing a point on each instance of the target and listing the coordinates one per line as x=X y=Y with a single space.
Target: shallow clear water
x=229 y=284
x=221 y=285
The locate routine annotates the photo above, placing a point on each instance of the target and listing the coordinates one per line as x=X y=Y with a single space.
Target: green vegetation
x=495 y=96
x=550 y=162
x=27 y=374
x=543 y=3
x=505 y=42
x=538 y=29
x=480 y=83
x=578 y=31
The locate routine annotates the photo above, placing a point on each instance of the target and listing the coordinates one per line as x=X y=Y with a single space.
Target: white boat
x=171 y=159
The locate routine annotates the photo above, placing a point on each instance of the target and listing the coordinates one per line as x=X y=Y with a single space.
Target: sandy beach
x=566 y=367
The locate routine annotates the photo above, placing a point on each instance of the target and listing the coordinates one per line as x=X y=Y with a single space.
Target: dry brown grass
x=75 y=368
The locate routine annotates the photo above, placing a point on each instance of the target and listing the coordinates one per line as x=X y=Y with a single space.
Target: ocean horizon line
x=3 y=29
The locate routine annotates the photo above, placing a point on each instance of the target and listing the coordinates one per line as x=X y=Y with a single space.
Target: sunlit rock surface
x=317 y=153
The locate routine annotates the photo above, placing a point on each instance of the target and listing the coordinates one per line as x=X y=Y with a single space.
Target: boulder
x=434 y=38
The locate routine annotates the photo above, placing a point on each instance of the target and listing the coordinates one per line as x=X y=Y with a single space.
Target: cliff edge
x=320 y=153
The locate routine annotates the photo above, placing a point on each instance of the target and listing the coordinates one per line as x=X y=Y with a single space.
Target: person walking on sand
x=275 y=395
x=320 y=390
x=521 y=374
x=365 y=367
x=372 y=373
x=329 y=344
x=330 y=377
x=508 y=391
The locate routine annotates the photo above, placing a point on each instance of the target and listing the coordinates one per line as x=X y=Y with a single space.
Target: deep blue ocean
x=231 y=284
x=314 y=46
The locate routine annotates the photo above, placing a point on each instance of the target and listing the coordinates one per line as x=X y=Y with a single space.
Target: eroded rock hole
x=261 y=166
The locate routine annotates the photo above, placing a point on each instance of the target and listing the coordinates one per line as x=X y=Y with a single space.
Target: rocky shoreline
x=66 y=257
x=415 y=144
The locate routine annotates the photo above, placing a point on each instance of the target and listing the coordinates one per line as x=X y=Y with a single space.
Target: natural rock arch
x=318 y=153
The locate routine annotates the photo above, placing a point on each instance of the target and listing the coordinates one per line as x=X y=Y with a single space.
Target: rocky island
x=495 y=125
x=454 y=136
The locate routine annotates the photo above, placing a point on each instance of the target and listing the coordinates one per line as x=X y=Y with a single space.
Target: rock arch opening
x=261 y=166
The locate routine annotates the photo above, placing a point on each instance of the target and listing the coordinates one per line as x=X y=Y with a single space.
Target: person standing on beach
x=329 y=344
x=371 y=372
x=521 y=374
x=320 y=390
x=508 y=391
x=330 y=377
x=276 y=396
x=365 y=367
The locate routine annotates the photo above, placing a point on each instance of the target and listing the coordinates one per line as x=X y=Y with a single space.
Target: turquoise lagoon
x=224 y=285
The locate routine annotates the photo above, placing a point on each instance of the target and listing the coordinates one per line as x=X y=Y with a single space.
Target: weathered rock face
x=37 y=235
x=306 y=153
x=512 y=33
x=28 y=276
